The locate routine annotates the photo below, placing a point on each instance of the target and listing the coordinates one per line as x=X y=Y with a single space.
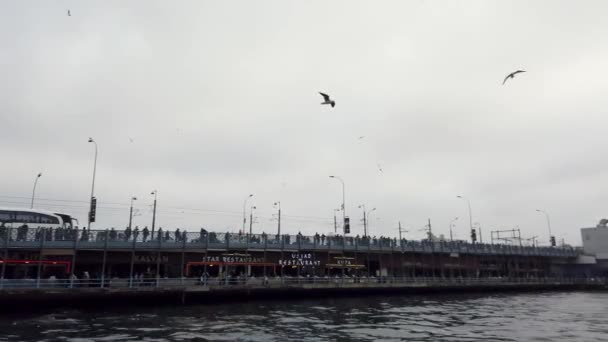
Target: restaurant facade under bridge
x=224 y=255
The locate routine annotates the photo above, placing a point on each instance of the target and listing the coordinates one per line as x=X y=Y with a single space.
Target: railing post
x=103 y=262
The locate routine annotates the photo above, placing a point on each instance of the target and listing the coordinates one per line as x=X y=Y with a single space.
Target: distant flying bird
x=361 y=137
x=327 y=100
x=512 y=75
x=380 y=168
x=130 y=139
x=69 y=14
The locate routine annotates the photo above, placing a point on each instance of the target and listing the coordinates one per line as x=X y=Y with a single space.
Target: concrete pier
x=293 y=289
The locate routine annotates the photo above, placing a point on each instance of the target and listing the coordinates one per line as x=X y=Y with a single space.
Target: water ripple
x=577 y=316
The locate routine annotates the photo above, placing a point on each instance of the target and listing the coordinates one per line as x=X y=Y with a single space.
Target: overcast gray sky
x=220 y=99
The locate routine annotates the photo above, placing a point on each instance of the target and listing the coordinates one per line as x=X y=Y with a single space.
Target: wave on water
x=577 y=316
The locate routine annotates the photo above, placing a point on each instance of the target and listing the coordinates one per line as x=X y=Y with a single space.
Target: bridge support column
x=132 y=264
x=7 y=236
x=42 y=232
x=103 y=262
x=73 y=271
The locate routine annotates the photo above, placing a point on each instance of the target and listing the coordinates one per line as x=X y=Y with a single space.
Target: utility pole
x=452 y=226
x=534 y=243
x=519 y=236
x=279 y=225
x=245 y=211
x=430 y=231
x=251 y=220
x=401 y=230
x=343 y=202
x=154 y=211
x=133 y=198
x=400 y=239
x=364 y=224
x=365 y=216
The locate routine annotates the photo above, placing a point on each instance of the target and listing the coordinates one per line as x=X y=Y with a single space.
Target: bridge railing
x=253 y=282
x=25 y=237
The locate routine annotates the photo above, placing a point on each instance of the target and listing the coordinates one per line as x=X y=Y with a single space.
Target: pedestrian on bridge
x=146 y=233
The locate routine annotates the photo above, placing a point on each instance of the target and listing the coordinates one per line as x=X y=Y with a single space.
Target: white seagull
x=327 y=100
x=512 y=75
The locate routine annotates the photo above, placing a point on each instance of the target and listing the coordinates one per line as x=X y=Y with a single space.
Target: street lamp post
x=155 y=193
x=548 y=225
x=133 y=198
x=34 y=190
x=470 y=216
x=362 y=206
x=245 y=211
x=343 y=202
x=92 y=183
x=452 y=226
x=279 y=218
x=336 y=221
x=368 y=221
x=251 y=220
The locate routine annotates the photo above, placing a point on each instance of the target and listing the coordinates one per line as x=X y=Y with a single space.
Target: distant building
x=595 y=243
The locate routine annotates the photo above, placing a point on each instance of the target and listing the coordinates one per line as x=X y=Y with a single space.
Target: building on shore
x=595 y=247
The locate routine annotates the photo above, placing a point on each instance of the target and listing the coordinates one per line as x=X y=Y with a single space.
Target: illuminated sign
x=233 y=258
x=300 y=259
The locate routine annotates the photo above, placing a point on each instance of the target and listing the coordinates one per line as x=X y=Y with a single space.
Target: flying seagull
x=512 y=75
x=361 y=137
x=380 y=168
x=327 y=100
x=69 y=14
x=130 y=139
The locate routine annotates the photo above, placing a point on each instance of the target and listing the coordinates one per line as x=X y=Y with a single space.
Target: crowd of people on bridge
x=25 y=233
x=146 y=235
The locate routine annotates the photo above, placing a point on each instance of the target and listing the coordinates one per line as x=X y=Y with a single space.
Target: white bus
x=34 y=218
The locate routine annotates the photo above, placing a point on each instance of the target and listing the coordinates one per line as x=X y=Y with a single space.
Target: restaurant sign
x=240 y=259
x=300 y=259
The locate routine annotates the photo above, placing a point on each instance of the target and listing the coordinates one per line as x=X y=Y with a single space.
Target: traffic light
x=93 y=209
x=473 y=235
x=347 y=225
x=553 y=244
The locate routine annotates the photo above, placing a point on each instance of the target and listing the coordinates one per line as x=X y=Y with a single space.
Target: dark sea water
x=550 y=316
